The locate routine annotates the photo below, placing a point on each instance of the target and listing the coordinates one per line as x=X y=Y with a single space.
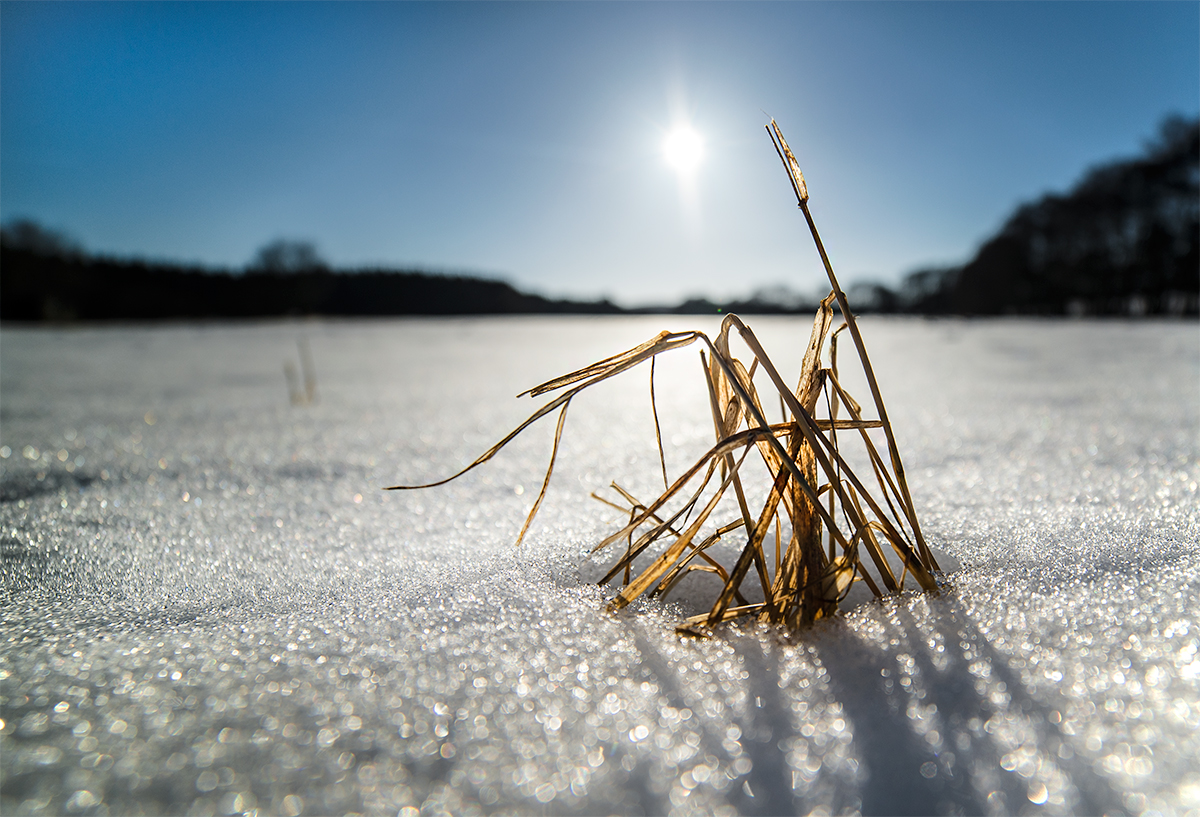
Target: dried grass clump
x=834 y=523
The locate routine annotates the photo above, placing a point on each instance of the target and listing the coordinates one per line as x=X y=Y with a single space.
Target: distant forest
x=1124 y=241
x=43 y=278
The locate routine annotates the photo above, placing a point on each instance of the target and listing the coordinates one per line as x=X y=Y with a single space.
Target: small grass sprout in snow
x=307 y=395
x=827 y=526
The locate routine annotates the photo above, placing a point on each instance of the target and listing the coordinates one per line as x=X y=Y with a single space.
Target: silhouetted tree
x=26 y=234
x=283 y=255
x=872 y=297
x=1124 y=240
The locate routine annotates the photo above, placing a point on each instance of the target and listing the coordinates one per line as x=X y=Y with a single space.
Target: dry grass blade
x=897 y=466
x=825 y=518
x=662 y=456
x=558 y=430
x=660 y=565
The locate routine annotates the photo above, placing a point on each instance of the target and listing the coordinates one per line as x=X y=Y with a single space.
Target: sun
x=683 y=148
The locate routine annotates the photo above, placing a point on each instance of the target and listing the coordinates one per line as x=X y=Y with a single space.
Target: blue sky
x=523 y=140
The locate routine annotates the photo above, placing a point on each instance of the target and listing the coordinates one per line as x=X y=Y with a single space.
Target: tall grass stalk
x=838 y=528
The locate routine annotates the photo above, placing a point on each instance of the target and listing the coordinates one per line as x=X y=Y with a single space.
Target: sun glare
x=683 y=149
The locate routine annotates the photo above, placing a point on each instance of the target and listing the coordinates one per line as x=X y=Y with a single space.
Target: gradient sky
x=523 y=140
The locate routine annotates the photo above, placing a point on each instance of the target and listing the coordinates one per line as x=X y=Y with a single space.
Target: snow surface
x=209 y=607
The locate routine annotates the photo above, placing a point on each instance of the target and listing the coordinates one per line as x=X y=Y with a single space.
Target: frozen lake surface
x=209 y=607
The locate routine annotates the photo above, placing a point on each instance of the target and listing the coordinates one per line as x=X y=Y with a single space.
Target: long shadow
x=1095 y=794
x=659 y=670
x=949 y=764
x=910 y=775
x=891 y=752
x=767 y=720
x=766 y=789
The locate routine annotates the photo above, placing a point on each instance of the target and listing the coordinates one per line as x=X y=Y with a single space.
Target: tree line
x=45 y=277
x=1124 y=241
